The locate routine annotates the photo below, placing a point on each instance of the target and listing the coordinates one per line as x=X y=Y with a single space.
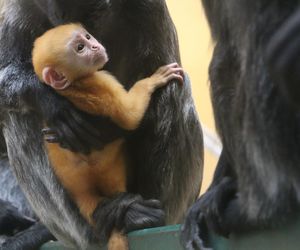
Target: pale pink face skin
x=84 y=53
x=86 y=50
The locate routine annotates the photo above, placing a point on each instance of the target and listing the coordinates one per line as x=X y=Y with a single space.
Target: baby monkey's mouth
x=101 y=60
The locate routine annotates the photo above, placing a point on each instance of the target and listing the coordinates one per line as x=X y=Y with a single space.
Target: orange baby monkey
x=68 y=59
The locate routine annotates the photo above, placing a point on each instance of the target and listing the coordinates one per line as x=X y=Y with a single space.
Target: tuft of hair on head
x=49 y=48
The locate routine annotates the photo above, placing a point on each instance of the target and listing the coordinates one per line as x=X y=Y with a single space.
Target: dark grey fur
x=257 y=181
x=40 y=185
x=15 y=196
x=167 y=150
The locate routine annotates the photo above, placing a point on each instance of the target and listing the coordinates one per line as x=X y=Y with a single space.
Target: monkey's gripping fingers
x=194 y=229
x=127 y=212
x=215 y=201
x=68 y=126
x=11 y=220
x=167 y=73
x=207 y=214
x=73 y=130
x=143 y=214
x=49 y=135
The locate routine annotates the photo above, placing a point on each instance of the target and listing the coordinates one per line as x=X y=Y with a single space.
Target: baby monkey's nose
x=95 y=47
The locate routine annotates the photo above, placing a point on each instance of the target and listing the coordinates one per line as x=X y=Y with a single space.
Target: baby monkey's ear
x=55 y=79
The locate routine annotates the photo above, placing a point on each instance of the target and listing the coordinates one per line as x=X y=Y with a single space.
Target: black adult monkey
x=257 y=181
x=166 y=150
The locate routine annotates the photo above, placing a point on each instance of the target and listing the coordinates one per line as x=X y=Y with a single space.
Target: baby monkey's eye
x=88 y=36
x=80 y=47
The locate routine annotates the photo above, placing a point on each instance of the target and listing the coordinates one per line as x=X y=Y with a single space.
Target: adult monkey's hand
x=76 y=130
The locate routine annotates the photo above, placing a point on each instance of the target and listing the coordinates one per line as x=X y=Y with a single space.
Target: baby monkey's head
x=66 y=53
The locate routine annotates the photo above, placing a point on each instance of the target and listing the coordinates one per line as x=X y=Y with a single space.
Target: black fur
x=166 y=151
x=18 y=228
x=257 y=181
x=30 y=239
x=127 y=212
x=282 y=57
x=11 y=220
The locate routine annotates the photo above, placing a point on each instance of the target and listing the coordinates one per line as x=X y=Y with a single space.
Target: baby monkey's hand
x=166 y=73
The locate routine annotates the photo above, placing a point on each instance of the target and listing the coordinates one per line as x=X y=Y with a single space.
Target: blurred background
x=196 y=48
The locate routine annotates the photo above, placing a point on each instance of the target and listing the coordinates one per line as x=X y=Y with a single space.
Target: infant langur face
x=86 y=53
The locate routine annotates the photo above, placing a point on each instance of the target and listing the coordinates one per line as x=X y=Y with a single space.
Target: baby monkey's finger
x=178 y=71
x=165 y=68
x=174 y=70
x=173 y=65
x=174 y=76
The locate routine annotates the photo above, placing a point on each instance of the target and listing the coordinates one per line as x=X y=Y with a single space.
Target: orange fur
x=49 y=50
x=102 y=94
x=117 y=241
x=90 y=178
x=87 y=176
